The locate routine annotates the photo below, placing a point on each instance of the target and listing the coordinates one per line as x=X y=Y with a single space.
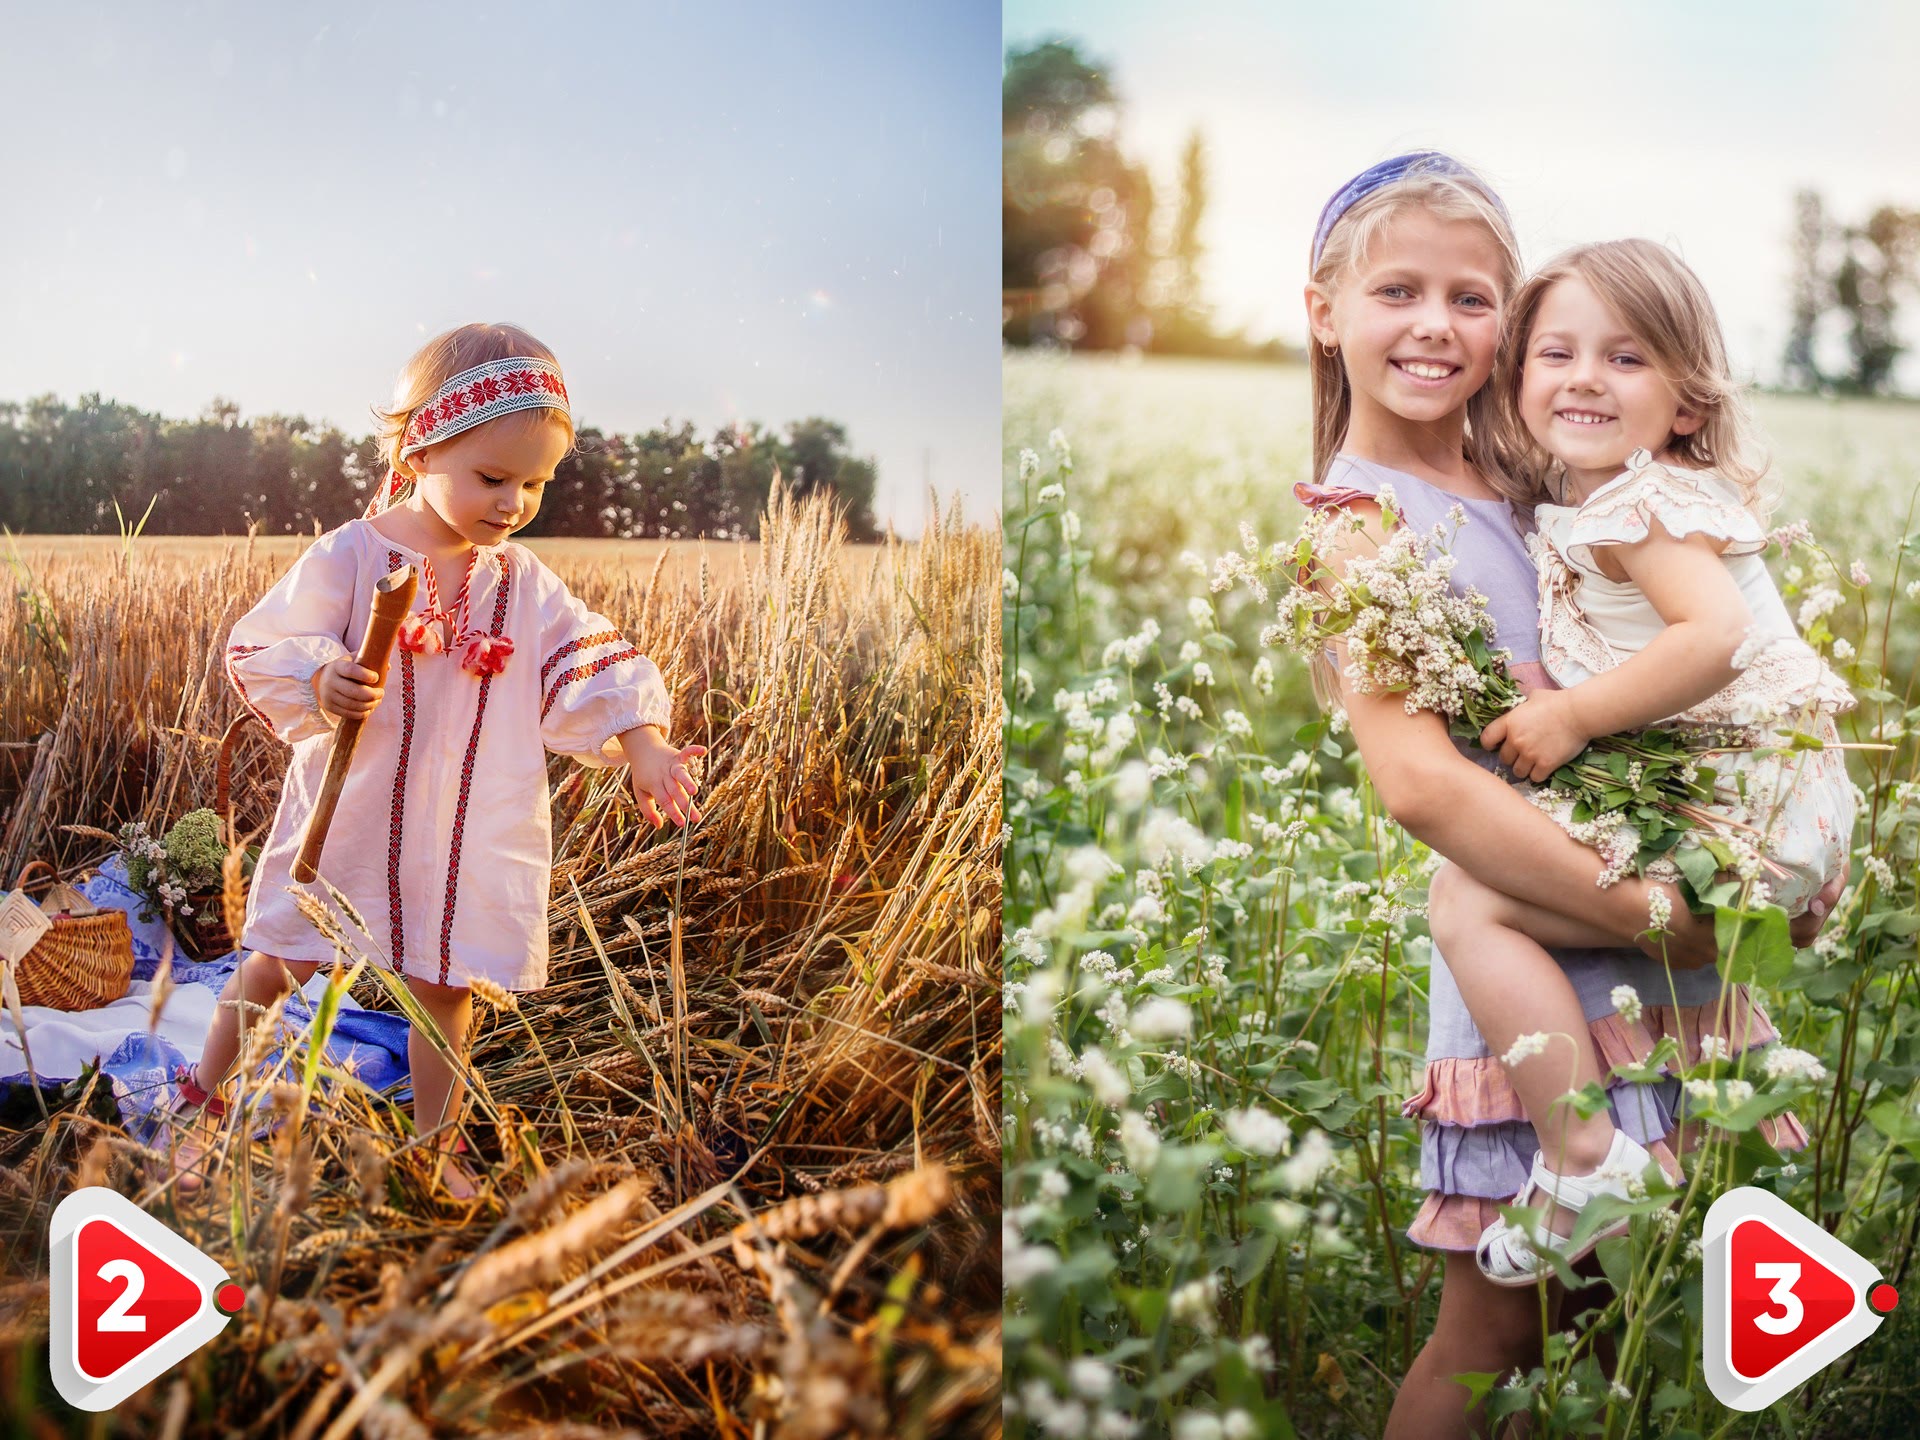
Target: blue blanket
x=137 y=1057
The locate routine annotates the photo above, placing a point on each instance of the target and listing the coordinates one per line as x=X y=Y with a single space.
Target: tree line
x=87 y=468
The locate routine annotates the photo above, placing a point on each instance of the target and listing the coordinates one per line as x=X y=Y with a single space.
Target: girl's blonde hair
x=1661 y=302
x=1446 y=195
x=444 y=357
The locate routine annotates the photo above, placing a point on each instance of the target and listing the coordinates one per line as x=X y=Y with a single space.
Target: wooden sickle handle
x=392 y=599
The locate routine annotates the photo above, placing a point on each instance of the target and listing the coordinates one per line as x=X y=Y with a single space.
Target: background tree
x=1075 y=212
x=1858 y=274
x=1082 y=263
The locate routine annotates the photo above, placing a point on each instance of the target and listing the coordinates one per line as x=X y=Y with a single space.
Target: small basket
x=82 y=963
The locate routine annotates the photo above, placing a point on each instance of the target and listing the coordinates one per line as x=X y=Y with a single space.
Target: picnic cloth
x=138 y=1062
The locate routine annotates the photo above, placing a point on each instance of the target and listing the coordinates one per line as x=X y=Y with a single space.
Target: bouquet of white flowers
x=1633 y=797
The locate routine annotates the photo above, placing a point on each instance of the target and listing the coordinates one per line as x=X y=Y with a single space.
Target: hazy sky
x=1692 y=124
x=710 y=211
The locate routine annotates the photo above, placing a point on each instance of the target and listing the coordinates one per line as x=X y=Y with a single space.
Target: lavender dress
x=1477 y=1146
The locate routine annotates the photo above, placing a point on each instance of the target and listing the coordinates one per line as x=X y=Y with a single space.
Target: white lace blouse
x=1590 y=623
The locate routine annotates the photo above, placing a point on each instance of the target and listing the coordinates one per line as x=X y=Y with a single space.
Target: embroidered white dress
x=442 y=838
x=1802 y=801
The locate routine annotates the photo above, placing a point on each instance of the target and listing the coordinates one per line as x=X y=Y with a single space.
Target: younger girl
x=441 y=839
x=1655 y=607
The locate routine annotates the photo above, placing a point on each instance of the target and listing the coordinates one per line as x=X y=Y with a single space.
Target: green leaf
x=1669 y=1397
x=1755 y=945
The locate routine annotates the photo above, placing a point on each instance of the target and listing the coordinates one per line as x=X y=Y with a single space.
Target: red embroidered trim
x=483 y=391
x=581 y=672
x=397 y=818
x=602 y=638
x=466 y=783
x=233 y=652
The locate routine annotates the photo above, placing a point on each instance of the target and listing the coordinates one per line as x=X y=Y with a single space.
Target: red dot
x=1883 y=1297
x=230 y=1297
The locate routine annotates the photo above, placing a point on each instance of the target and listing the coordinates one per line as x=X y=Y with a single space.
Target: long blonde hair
x=1446 y=195
x=444 y=357
x=1662 y=304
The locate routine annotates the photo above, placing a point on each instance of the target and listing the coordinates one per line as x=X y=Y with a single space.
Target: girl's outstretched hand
x=661 y=778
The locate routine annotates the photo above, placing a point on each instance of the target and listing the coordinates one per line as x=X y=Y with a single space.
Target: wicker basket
x=81 y=964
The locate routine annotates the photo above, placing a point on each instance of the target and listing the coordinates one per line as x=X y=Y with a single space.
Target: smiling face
x=485 y=483
x=1417 y=320
x=1589 y=393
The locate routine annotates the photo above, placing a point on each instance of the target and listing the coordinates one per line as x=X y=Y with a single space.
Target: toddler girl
x=1632 y=447
x=442 y=838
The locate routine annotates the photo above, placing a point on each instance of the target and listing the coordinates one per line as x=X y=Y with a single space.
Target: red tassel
x=420 y=635
x=484 y=654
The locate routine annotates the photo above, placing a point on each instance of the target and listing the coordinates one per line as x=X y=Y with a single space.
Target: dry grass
x=742 y=1149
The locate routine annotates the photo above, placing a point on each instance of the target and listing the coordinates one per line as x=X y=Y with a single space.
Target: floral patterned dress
x=1476 y=1145
x=1800 y=802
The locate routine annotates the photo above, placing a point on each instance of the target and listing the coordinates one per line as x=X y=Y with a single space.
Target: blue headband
x=1425 y=162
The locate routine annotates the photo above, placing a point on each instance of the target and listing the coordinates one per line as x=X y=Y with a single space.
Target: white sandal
x=1507 y=1255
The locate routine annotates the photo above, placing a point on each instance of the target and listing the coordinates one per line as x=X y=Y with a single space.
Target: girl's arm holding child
x=1474 y=818
x=1706 y=618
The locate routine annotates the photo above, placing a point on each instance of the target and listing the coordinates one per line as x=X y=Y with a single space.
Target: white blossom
x=1524 y=1047
x=1160 y=1017
x=1784 y=1061
x=1256 y=1131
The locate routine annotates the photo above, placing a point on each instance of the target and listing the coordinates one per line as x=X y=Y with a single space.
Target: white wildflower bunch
x=1784 y=1062
x=1161 y=1017
x=1314 y=1155
x=1139 y=1142
x=1820 y=601
x=1104 y=1078
x=1196 y=1303
x=1626 y=1000
x=1257 y=1131
x=1525 y=1047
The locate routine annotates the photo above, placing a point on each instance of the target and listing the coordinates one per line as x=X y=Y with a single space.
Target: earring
x=1331 y=350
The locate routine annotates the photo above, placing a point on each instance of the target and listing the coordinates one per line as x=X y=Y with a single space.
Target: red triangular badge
x=129 y=1298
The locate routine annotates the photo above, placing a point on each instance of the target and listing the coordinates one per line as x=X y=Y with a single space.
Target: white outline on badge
x=97 y=1202
x=1729 y=1386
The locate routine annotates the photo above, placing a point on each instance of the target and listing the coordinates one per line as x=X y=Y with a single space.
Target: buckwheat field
x=1217 y=957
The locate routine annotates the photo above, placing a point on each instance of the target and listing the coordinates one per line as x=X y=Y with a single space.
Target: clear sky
x=1692 y=124
x=711 y=212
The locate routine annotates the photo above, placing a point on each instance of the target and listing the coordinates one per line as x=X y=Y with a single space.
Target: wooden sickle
x=392 y=600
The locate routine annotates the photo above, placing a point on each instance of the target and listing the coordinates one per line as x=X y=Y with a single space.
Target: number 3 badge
x=1783 y=1298
x=129 y=1300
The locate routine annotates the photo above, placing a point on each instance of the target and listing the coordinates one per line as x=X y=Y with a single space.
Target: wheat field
x=742 y=1152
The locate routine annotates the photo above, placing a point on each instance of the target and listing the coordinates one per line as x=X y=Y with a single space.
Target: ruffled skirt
x=1477 y=1146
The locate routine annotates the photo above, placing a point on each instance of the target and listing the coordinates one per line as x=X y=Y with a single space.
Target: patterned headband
x=473 y=397
x=1422 y=162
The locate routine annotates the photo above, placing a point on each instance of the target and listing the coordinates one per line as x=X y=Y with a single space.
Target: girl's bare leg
x=1482 y=1327
x=1493 y=947
x=258 y=980
x=438 y=1091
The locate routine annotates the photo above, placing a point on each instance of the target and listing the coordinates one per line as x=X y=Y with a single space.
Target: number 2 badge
x=129 y=1300
x=1783 y=1298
